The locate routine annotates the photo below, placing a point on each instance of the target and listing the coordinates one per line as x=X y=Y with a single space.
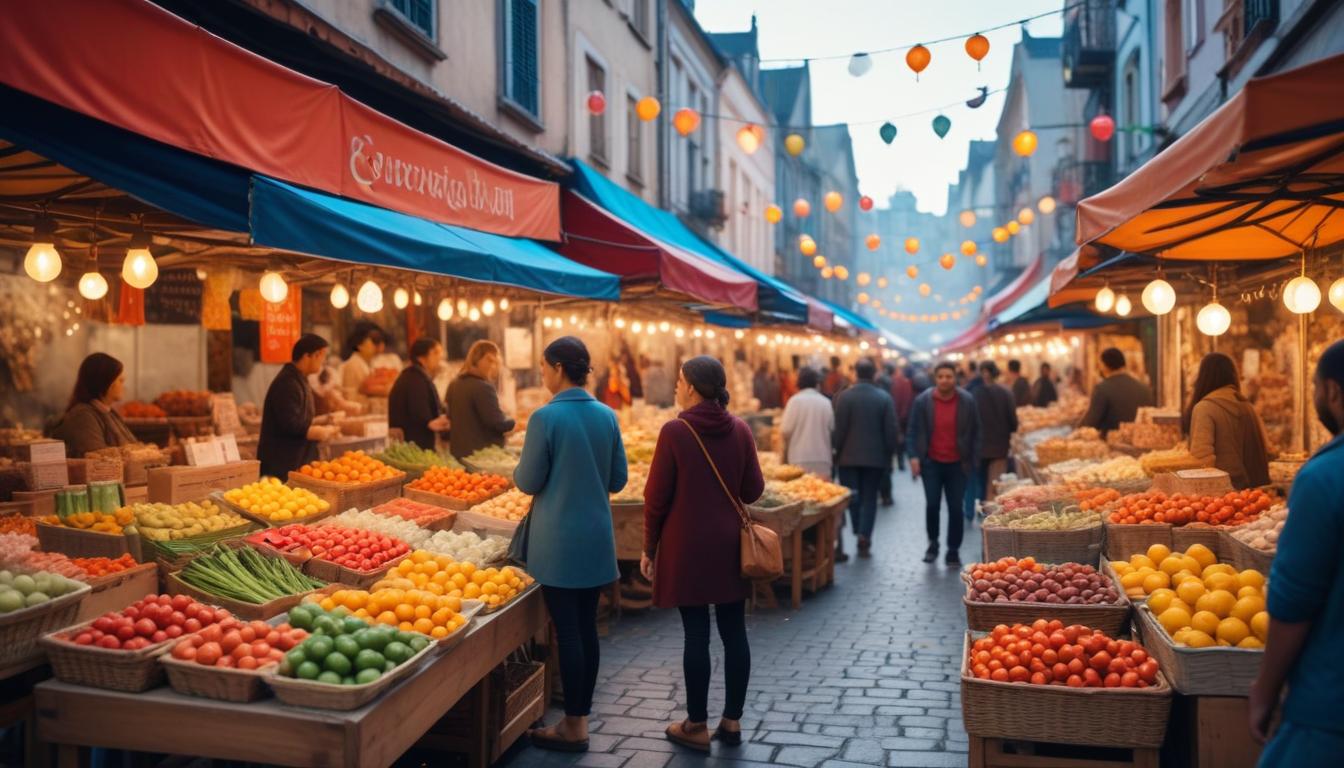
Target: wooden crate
x=75 y=542
x=333 y=573
x=446 y=502
x=1242 y=555
x=1199 y=671
x=94 y=470
x=118 y=590
x=218 y=498
x=1111 y=618
x=40 y=503
x=1017 y=753
x=1185 y=536
x=1123 y=540
x=1211 y=732
x=1081 y=545
x=46 y=476
x=344 y=496
x=174 y=485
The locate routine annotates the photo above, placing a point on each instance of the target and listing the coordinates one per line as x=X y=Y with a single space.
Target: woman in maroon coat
x=692 y=542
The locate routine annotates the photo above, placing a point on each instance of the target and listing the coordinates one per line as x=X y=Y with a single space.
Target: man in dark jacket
x=1018 y=384
x=1043 y=393
x=1118 y=397
x=865 y=437
x=413 y=406
x=288 y=438
x=998 y=422
x=943 y=439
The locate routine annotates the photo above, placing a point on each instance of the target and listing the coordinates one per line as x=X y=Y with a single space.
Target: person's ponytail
x=707 y=377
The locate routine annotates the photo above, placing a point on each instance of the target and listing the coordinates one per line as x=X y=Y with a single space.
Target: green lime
x=369 y=659
x=397 y=652
x=329 y=677
x=348 y=680
x=378 y=638
x=317 y=647
x=367 y=676
x=406 y=637
x=339 y=612
x=301 y=618
x=389 y=665
x=337 y=662
x=294 y=658
x=346 y=645
x=326 y=625
x=351 y=625
x=307 y=671
x=418 y=643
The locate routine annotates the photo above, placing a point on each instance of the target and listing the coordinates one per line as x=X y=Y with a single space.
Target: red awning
x=134 y=65
x=1014 y=290
x=819 y=316
x=595 y=237
x=969 y=337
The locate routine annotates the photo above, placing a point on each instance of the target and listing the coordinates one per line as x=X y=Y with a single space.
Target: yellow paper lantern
x=819 y=261
x=794 y=144
x=912 y=271
x=807 y=245
x=912 y=245
x=967 y=218
x=648 y=108
x=1000 y=235
x=1024 y=143
x=801 y=208
x=968 y=248
x=864 y=278
x=1025 y=217
x=833 y=200
x=980 y=260
x=925 y=290
x=1013 y=227
x=842 y=272
x=773 y=213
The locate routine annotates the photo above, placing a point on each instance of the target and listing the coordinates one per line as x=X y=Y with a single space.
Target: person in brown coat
x=692 y=542
x=89 y=423
x=473 y=403
x=1224 y=429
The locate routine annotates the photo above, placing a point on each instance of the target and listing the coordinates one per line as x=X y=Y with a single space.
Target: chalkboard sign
x=175 y=298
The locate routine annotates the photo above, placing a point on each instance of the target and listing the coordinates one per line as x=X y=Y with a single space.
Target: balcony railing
x=1245 y=24
x=1075 y=179
x=1088 y=47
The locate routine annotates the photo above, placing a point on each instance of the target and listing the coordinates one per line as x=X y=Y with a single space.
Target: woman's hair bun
x=705 y=374
x=571 y=355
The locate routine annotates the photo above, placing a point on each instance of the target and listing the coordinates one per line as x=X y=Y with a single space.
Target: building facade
x=747 y=179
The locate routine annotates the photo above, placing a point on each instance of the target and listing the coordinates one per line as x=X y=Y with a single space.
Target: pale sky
x=917 y=160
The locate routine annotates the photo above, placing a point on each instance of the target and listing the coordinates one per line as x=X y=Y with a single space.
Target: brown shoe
x=690 y=735
x=865 y=547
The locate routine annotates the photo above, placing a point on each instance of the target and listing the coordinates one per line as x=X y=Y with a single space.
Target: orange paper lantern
x=864 y=278
x=686 y=121
x=946 y=261
x=819 y=261
x=912 y=271
x=1025 y=143
x=873 y=242
x=648 y=108
x=977 y=46
x=842 y=272
x=1013 y=227
x=1000 y=235
x=826 y=273
x=917 y=59
x=968 y=247
x=773 y=213
x=807 y=245
x=925 y=290
x=912 y=245
x=980 y=260
x=801 y=208
x=833 y=200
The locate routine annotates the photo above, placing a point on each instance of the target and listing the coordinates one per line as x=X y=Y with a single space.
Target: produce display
x=1025 y=580
x=351 y=468
x=1170 y=460
x=511 y=505
x=1263 y=532
x=151 y=620
x=1079 y=445
x=344 y=650
x=810 y=489
x=1144 y=435
x=435 y=573
x=1060 y=469
x=1200 y=602
x=357 y=550
x=1117 y=470
x=163 y=522
x=234 y=644
x=633 y=492
x=412 y=456
x=1066 y=519
x=1057 y=414
x=1049 y=653
x=138 y=410
x=181 y=402
x=495 y=460
x=94 y=567
x=101 y=522
x=19 y=553
x=396 y=527
x=1034 y=496
x=467 y=547
x=246 y=575
x=786 y=472
x=17 y=524
x=408 y=610
x=414 y=511
x=270 y=499
x=26 y=590
x=1232 y=508
x=1095 y=498
x=638 y=451
x=459 y=484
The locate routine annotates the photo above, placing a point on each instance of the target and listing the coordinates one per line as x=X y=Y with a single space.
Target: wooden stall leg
x=976 y=754
x=796 y=578
x=479 y=754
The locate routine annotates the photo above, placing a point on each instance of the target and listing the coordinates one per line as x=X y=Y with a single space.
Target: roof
x=1040 y=47
x=782 y=88
x=736 y=44
x=980 y=154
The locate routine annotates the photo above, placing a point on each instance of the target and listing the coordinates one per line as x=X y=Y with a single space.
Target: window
x=521 y=63
x=1173 y=54
x=693 y=147
x=597 y=124
x=639 y=17
x=1130 y=108
x=1194 y=24
x=634 y=144
x=418 y=13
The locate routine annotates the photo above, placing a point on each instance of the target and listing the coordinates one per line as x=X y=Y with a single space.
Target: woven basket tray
x=486 y=610
x=1242 y=555
x=1104 y=717
x=1079 y=545
x=1113 y=618
x=19 y=630
x=310 y=693
x=470 y=610
x=442 y=521
x=446 y=502
x=265 y=522
x=1185 y=536
x=484 y=525
x=118 y=670
x=332 y=573
x=76 y=542
x=1123 y=540
x=221 y=683
x=343 y=496
x=1198 y=671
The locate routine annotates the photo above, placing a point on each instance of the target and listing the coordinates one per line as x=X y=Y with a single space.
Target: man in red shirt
x=943 y=439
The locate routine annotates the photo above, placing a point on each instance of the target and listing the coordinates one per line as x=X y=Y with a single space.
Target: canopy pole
x=1304 y=386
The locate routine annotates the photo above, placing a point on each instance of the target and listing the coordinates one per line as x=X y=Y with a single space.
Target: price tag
x=224 y=410
x=228 y=443
x=375 y=429
x=205 y=453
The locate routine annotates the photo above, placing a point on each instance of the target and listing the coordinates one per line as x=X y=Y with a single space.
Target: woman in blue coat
x=573 y=458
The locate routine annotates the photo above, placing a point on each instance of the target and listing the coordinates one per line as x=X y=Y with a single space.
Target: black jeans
x=943 y=480
x=732 y=621
x=865 y=482
x=574 y=612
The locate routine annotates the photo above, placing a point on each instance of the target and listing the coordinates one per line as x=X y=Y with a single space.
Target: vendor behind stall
x=361 y=347
x=89 y=422
x=473 y=403
x=1225 y=431
x=288 y=437
x=414 y=406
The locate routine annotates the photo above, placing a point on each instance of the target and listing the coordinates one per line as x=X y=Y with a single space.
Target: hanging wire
x=852 y=124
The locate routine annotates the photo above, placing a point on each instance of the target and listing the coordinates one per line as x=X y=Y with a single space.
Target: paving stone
x=923 y=721
x=649 y=745
x=802 y=739
x=645 y=759
x=866 y=751
x=923 y=733
x=599 y=760
x=926 y=759
x=804 y=756
x=906 y=743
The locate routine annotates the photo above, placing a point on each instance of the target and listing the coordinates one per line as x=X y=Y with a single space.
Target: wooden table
x=162 y=721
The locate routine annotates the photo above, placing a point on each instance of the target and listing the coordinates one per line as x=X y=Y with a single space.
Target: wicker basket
x=1080 y=545
x=783 y=519
x=223 y=684
x=1185 y=536
x=446 y=502
x=333 y=573
x=486 y=610
x=169 y=562
x=1112 y=618
x=343 y=496
x=118 y=670
x=296 y=557
x=1199 y=671
x=310 y=693
x=490 y=469
x=76 y=542
x=19 y=630
x=1242 y=555
x=174 y=585
x=265 y=522
x=1103 y=717
x=1193 y=482
x=1123 y=540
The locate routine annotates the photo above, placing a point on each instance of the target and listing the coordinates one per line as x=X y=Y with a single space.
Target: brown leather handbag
x=762 y=556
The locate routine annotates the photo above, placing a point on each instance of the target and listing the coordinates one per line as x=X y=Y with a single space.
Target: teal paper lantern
x=941 y=125
x=887 y=132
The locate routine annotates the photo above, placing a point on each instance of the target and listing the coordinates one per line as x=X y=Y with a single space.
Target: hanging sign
x=280 y=324
x=174 y=299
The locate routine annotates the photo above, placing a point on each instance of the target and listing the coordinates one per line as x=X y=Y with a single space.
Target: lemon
x=1219 y=601
x=1196 y=639
x=1172 y=565
x=1204 y=621
x=1121 y=567
x=1221 y=582
x=1132 y=580
x=1190 y=590
x=1250 y=642
x=1179 y=637
x=1250 y=592
x=1218 y=568
x=1251 y=578
x=1158 y=552
x=1156 y=580
x=1140 y=561
x=1173 y=619
x=1202 y=554
x=1160 y=600
x=1247 y=607
x=1233 y=630
x=1260 y=625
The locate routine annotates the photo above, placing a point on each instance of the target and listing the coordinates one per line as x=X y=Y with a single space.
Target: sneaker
x=953 y=559
x=931 y=553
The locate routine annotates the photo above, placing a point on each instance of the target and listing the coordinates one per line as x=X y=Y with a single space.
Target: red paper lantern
x=1102 y=127
x=597 y=102
x=865 y=203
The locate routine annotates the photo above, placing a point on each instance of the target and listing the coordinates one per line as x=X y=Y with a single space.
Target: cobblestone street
x=864 y=674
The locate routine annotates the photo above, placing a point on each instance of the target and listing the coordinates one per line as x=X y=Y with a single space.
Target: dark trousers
x=885 y=488
x=943 y=480
x=865 y=482
x=574 y=612
x=732 y=621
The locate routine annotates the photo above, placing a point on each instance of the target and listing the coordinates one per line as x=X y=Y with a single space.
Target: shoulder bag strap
x=737 y=504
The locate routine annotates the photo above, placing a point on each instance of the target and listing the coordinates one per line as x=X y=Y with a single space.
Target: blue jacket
x=573 y=459
x=968 y=427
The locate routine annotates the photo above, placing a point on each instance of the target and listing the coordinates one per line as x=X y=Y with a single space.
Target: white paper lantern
x=1213 y=319
x=1336 y=294
x=1123 y=306
x=1301 y=295
x=273 y=287
x=488 y=308
x=92 y=285
x=340 y=296
x=860 y=64
x=1159 y=297
x=1105 y=300
x=401 y=298
x=445 y=310
x=369 y=298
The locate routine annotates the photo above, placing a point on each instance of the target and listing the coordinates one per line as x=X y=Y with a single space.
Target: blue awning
x=297 y=219
x=1035 y=296
x=775 y=298
x=855 y=320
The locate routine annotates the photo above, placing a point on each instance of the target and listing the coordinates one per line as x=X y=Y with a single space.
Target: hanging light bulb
x=686 y=120
x=1158 y=297
x=340 y=296
x=819 y=261
x=664 y=326
x=648 y=108
x=139 y=270
x=968 y=248
x=882 y=282
x=1025 y=142
x=201 y=274
x=1213 y=319
x=1336 y=294
x=488 y=307
x=801 y=208
x=1013 y=227
x=1301 y=295
x=637 y=326
x=273 y=287
x=1026 y=216
x=462 y=307
x=947 y=261
x=504 y=304
x=750 y=137
x=999 y=234
x=842 y=272
x=417 y=299
x=369 y=297
x=912 y=245
x=43 y=261
x=1123 y=306
x=873 y=242
x=680 y=333
x=966 y=218
x=1105 y=300
x=864 y=278
x=980 y=260
x=1046 y=205
x=827 y=273
x=474 y=314
x=925 y=289
x=445 y=310
x=92 y=285
x=401 y=298
x=807 y=246
x=833 y=200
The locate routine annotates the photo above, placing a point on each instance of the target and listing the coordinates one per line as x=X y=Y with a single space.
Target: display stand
x=1211 y=732
x=991 y=753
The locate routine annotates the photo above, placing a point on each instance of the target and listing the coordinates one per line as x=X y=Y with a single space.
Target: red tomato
x=247 y=662
x=84 y=638
x=999 y=675
x=1148 y=671
x=1050 y=656
x=209 y=653
x=126 y=631
x=1091 y=678
x=261 y=648
x=1129 y=679
x=1139 y=655
x=1059 y=671
x=248 y=634
x=108 y=641
x=1074 y=681
x=241 y=651
x=1067 y=654
x=180 y=602
x=159 y=636
x=232 y=639
x=1076 y=666
x=226 y=661
x=1118 y=665
x=1112 y=680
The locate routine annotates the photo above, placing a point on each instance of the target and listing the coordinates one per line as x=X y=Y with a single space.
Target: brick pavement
x=864 y=674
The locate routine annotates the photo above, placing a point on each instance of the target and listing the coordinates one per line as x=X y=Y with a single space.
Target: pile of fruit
x=169 y=522
x=459 y=484
x=1058 y=470
x=95 y=567
x=810 y=489
x=511 y=505
x=1031 y=519
x=408 y=610
x=1232 y=508
x=19 y=553
x=1144 y=435
x=1025 y=580
x=435 y=573
x=138 y=410
x=154 y=619
x=1169 y=460
x=246 y=575
x=1055 y=450
x=467 y=547
x=101 y=522
x=633 y=492
x=1117 y=470
x=351 y=468
x=414 y=511
x=357 y=550
x=234 y=644
x=412 y=457
x=29 y=589
x=494 y=459
x=1034 y=496
x=1095 y=498
x=18 y=524
x=396 y=527
x=181 y=402
x=1049 y=653
x=270 y=499
x=344 y=650
x=1263 y=532
x=638 y=451
x=1199 y=602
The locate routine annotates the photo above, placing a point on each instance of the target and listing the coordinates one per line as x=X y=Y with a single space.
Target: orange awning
x=1260 y=178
